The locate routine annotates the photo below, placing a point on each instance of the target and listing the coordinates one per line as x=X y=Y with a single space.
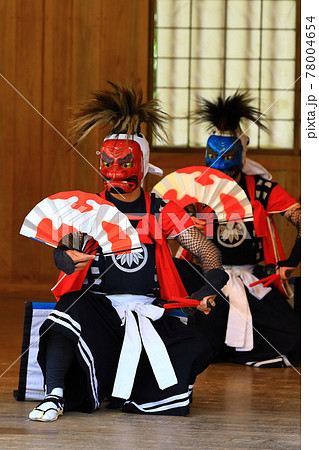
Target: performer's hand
x=81 y=260
x=203 y=306
x=199 y=224
x=284 y=272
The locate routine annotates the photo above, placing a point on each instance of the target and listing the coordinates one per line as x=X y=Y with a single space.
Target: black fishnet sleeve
x=293 y=215
x=205 y=252
x=210 y=259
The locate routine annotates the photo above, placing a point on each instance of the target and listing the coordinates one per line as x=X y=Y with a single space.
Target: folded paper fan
x=200 y=189
x=77 y=211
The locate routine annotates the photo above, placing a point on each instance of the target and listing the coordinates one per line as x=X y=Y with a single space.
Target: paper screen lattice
x=77 y=211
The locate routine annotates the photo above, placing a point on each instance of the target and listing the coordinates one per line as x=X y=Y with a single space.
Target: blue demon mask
x=225 y=153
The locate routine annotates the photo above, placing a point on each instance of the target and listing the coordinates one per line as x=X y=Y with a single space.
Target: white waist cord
x=132 y=347
x=239 y=332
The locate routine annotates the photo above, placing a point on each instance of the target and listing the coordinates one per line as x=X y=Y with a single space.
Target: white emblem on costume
x=232 y=234
x=131 y=262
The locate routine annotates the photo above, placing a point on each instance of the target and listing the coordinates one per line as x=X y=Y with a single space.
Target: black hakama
x=93 y=324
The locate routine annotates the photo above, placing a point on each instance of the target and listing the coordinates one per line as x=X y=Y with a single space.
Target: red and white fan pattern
x=77 y=211
x=207 y=186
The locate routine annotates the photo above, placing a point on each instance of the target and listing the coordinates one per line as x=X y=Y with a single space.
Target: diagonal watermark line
x=181 y=195
x=48 y=122
x=54 y=128
x=72 y=146
x=243 y=133
x=50 y=326
x=227 y=301
x=101 y=275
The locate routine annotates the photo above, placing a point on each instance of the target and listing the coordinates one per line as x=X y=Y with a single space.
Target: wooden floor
x=234 y=407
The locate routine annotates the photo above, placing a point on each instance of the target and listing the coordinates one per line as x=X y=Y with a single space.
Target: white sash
x=239 y=332
x=136 y=336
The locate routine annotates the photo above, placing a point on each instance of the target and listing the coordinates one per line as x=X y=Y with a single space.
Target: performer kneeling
x=106 y=337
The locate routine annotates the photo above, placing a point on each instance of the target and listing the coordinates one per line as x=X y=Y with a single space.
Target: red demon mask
x=121 y=165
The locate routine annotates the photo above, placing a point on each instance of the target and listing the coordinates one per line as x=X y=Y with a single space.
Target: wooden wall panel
x=56 y=95
x=57 y=82
x=55 y=53
x=7 y=130
x=24 y=31
x=125 y=59
x=86 y=77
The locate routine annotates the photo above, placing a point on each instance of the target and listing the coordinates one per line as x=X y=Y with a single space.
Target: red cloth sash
x=265 y=226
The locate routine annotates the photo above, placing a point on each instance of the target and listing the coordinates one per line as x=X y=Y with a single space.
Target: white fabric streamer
x=239 y=332
x=132 y=347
